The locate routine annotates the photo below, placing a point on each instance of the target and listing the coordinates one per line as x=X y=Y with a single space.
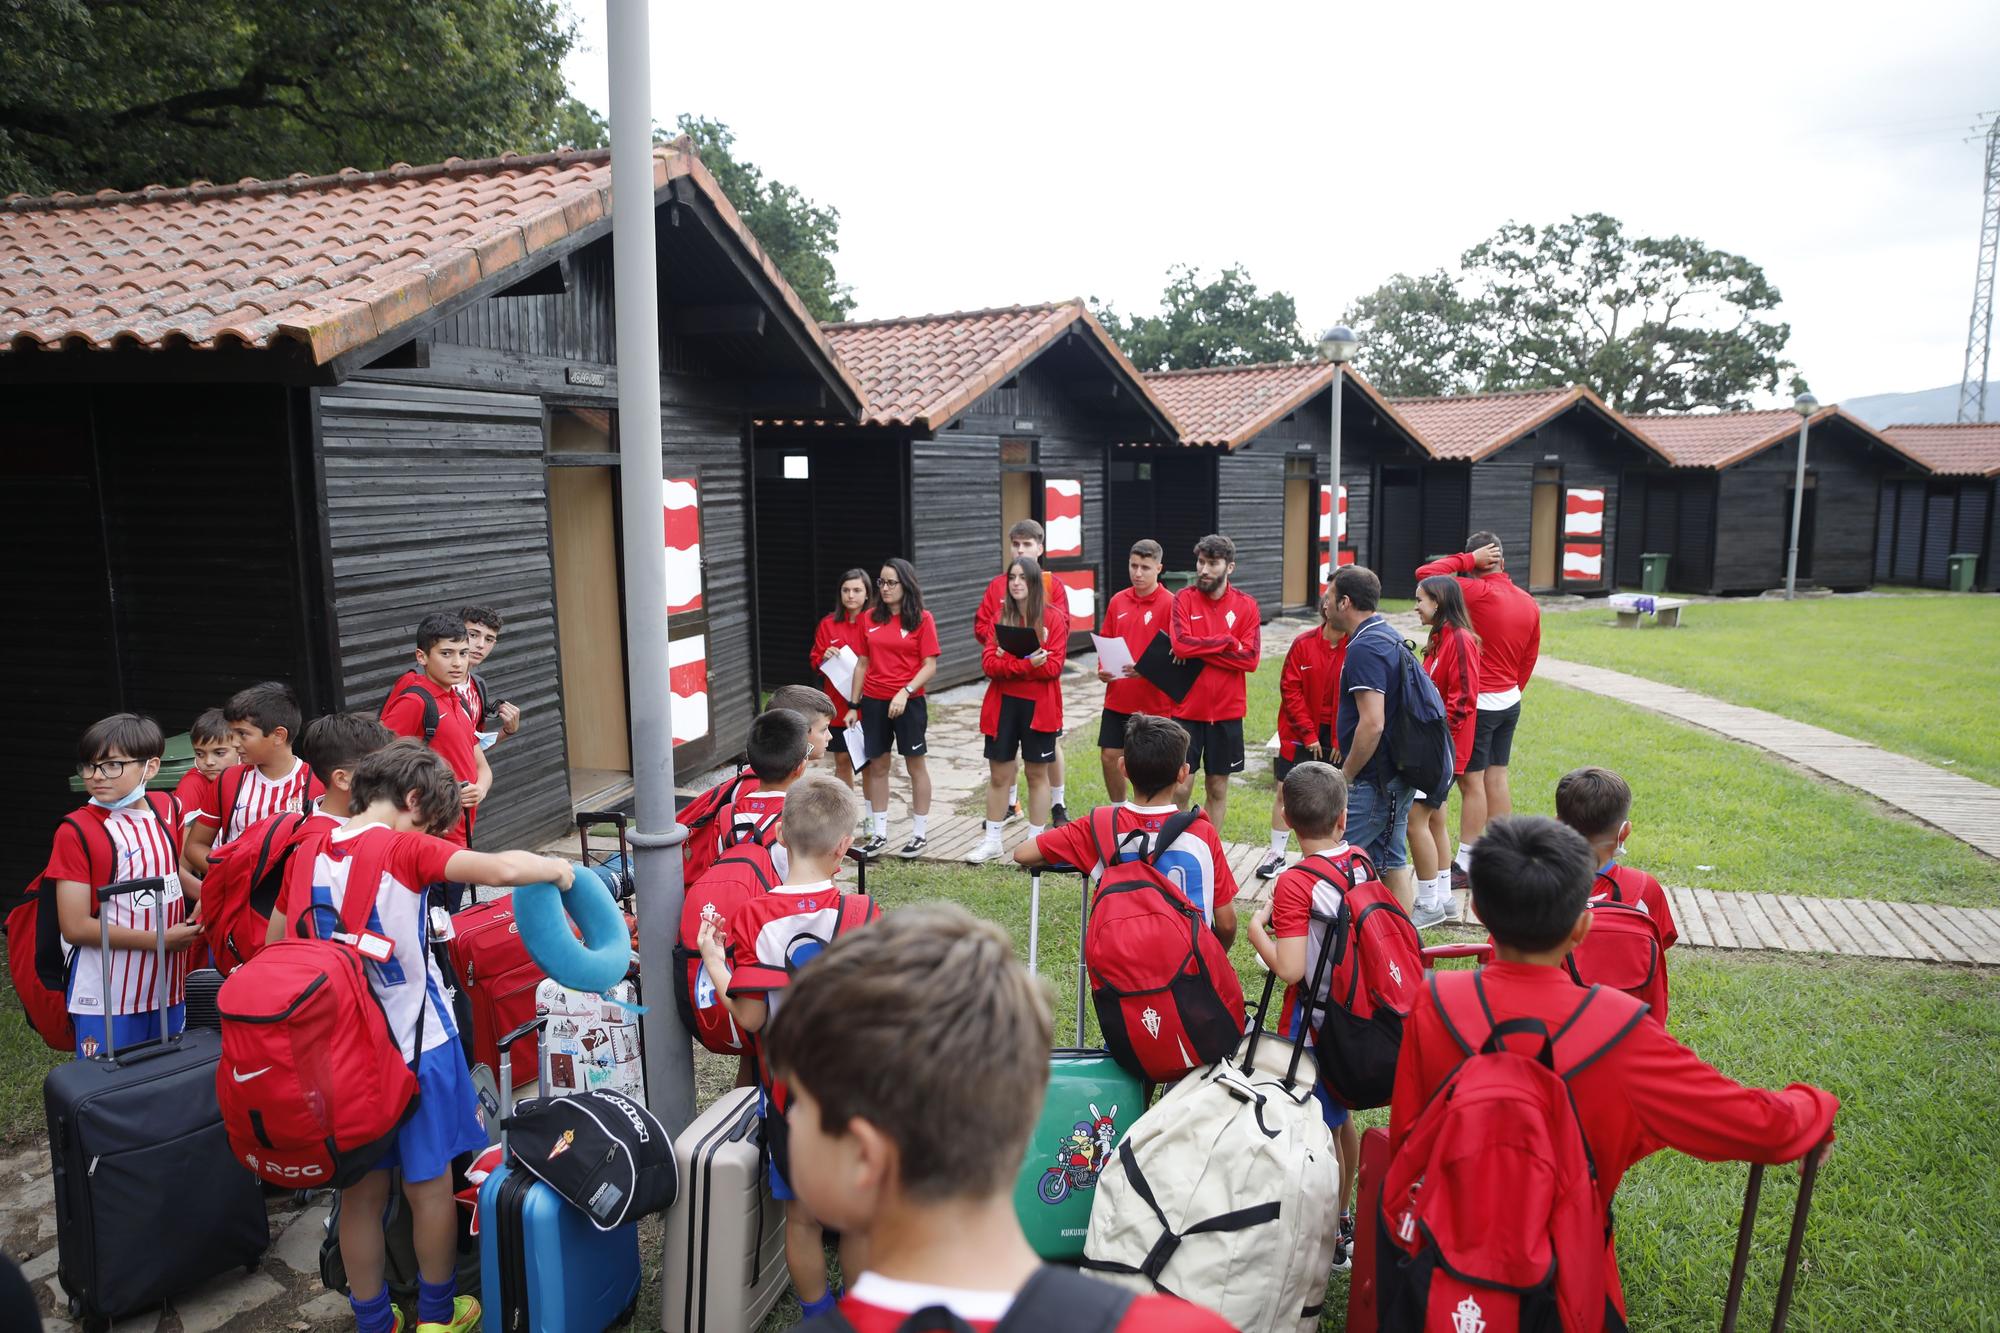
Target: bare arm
x=1225 y=925
x=79 y=924
x=509 y=868
x=195 y=847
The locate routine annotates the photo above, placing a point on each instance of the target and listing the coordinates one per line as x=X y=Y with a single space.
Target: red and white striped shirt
x=142 y=847
x=256 y=797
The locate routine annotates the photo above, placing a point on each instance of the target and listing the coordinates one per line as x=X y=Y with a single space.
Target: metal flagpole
x=657 y=836
x=1805 y=407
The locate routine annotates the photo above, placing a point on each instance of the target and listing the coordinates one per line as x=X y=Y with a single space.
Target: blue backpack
x=1419 y=735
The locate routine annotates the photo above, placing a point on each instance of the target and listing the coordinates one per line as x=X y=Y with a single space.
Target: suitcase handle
x=157 y=886
x=1035 y=874
x=1808 y=1177
x=506 y=1045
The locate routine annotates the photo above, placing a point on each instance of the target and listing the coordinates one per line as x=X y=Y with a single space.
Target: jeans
x=1378 y=821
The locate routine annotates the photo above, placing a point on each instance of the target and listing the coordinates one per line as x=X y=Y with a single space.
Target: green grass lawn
x=1707 y=812
x=1915 y=674
x=25 y=1061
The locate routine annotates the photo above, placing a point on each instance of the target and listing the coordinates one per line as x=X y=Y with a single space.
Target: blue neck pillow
x=544 y=913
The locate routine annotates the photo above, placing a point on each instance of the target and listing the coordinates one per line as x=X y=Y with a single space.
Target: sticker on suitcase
x=1081 y=1156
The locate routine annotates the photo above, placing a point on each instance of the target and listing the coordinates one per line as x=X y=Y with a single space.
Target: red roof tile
x=1472 y=426
x=923 y=370
x=1965 y=449
x=1232 y=405
x=329 y=262
x=1723 y=439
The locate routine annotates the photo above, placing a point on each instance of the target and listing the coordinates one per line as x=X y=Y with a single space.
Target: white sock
x=879 y=819
x=1464 y=858
x=920 y=825
x=1437 y=891
x=1279 y=837
x=1034 y=832
x=993 y=828
x=1056 y=795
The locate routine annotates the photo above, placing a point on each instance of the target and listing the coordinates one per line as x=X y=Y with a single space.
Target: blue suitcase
x=544 y=1268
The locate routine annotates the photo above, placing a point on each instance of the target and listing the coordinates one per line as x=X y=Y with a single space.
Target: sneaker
x=877 y=844
x=1453 y=913
x=1058 y=815
x=1013 y=813
x=1461 y=882
x=1343 y=1248
x=985 y=851
x=1269 y=867
x=1424 y=917
x=464 y=1318
x=914 y=847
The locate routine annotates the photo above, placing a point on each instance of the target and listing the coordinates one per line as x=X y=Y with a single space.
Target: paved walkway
x=1967 y=810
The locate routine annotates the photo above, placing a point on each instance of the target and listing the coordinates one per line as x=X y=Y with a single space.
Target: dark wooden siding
x=1672 y=513
x=1447 y=494
x=1250 y=510
x=1503 y=486
x=575 y=325
x=955 y=498
x=1174 y=506
x=437 y=498
x=1753 y=513
x=1401 y=547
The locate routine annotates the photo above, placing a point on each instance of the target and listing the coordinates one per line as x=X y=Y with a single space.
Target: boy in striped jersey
x=122 y=834
x=263 y=720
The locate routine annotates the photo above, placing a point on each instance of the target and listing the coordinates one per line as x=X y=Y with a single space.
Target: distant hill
x=1939 y=404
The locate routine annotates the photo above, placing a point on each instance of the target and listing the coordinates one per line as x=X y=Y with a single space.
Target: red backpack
x=243 y=885
x=1166 y=996
x=1623 y=949
x=1373 y=961
x=1490 y=1216
x=312 y=1083
x=738 y=875
x=37 y=961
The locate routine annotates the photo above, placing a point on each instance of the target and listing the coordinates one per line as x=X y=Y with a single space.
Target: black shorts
x=1111 y=729
x=1014 y=735
x=1434 y=800
x=1493 y=738
x=908 y=731
x=1214 y=747
x=1281 y=767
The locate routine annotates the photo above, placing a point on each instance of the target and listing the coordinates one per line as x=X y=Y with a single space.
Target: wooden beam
x=737 y=319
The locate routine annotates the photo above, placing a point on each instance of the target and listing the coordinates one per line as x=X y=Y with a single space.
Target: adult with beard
x=1218 y=625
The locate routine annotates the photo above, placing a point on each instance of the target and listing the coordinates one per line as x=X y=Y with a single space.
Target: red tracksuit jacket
x=1225 y=632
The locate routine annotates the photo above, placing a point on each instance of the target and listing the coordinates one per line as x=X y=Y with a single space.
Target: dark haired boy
x=1531 y=881
x=1597 y=803
x=1312 y=799
x=334 y=746
x=779 y=749
x=1155 y=765
x=809 y=702
x=1025 y=539
x=213 y=752
x=263 y=720
x=482 y=633
x=429 y=710
x=121 y=834
x=1218 y=625
x=1137 y=614
x=916 y=1052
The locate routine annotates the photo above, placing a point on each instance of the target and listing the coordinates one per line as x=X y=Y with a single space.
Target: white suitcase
x=724 y=1263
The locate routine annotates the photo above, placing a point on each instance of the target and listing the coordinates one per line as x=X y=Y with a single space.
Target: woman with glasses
x=899 y=653
x=1022 y=716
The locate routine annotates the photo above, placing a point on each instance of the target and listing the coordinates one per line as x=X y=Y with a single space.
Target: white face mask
x=126 y=802
x=1620 y=852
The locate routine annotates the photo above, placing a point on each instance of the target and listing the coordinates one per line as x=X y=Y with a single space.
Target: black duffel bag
x=605 y=1153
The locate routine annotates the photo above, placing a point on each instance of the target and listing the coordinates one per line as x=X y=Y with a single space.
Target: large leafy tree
x=118 y=93
x=1654 y=324
x=1223 y=321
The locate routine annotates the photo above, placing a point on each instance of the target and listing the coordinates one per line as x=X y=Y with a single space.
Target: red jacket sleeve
x=988 y=614
x=1460 y=563
x=1296 y=720
x=1236 y=650
x=1683 y=1102
x=1531 y=653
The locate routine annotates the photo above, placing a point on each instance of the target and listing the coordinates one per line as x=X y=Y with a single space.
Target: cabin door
x=1545 y=530
x=1299 y=537
x=590 y=626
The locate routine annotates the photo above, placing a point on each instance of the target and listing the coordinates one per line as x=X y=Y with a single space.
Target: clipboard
x=1019 y=640
x=1157 y=665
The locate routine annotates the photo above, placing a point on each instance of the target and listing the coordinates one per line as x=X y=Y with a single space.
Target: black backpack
x=1056 y=1300
x=605 y=1153
x=1419 y=735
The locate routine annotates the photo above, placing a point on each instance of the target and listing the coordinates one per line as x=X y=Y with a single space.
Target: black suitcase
x=149 y=1199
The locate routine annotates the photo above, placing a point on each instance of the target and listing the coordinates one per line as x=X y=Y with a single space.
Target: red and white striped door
x=687 y=623
x=1326 y=534
x=1583 y=536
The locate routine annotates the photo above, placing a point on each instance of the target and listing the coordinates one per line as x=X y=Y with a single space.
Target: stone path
x=1967 y=810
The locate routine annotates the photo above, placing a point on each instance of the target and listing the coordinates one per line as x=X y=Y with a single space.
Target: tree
x=1224 y=322
x=800 y=236
x=1653 y=324
x=112 y=93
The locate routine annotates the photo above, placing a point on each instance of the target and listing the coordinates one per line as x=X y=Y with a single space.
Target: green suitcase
x=1090 y=1104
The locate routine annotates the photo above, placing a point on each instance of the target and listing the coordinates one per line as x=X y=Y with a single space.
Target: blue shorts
x=127 y=1030
x=446 y=1121
x=1330 y=1111
x=1378 y=822
x=779 y=1189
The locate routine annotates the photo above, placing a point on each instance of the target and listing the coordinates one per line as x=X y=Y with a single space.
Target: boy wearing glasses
x=123 y=833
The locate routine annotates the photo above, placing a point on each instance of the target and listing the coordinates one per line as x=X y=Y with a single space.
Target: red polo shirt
x=1226 y=633
x=455 y=739
x=1506 y=618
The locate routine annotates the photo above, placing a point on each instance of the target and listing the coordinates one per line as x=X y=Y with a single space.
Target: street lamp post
x=1337 y=344
x=1805 y=405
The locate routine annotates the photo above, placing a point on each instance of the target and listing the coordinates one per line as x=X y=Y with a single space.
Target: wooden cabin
x=1723 y=510
x=971 y=422
x=259 y=430
x=1923 y=522
x=1265 y=430
x=1540 y=468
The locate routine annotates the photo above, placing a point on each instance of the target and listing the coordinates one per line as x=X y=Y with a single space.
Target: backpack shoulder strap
x=431 y=717
x=364 y=882
x=97 y=850
x=166 y=808
x=1170 y=832
x=1609 y=884
x=1061 y=1300
x=856 y=910
x=1460 y=1001
x=228 y=786
x=1602 y=1019
x=1103 y=833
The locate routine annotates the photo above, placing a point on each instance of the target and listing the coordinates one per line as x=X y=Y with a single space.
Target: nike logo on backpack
x=245 y=1078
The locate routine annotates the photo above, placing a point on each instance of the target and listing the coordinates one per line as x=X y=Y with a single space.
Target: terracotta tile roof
x=1472 y=426
x=1232 y=405
x=328 y=262
x=1965 y=449
x=1723 y=439
x=923 y=370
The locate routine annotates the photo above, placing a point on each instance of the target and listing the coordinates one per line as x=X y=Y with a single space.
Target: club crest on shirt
x=1229 y=619
x=1147 y=619
x=562 y=1145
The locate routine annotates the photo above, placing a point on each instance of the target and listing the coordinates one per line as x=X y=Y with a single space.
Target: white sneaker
x=987 y=850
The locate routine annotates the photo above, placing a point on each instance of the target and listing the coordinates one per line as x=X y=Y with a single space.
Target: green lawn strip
x=25 y=1060
x=1917 y=675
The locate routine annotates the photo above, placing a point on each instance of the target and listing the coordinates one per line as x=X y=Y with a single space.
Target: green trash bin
x=1962 y=568
x=1173 y=580
x=1653 y=571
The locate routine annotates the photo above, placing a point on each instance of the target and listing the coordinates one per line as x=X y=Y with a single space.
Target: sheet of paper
x=1112 y=654
x=839 y=668
x=857 y=743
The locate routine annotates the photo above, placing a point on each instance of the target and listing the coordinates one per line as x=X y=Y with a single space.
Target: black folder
x=1157 y=664
x=1017 y=639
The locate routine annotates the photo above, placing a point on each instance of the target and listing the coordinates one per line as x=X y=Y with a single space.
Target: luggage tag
x=442 y=928
x=375 y=948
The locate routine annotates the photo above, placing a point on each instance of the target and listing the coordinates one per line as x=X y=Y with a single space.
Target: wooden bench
x=1631 y=606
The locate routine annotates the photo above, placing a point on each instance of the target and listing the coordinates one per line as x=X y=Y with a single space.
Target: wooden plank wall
x=1753 y=515
x=1502 y=486
x=1250 y=511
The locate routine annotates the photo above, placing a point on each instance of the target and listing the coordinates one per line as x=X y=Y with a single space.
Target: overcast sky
x=999 y=154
